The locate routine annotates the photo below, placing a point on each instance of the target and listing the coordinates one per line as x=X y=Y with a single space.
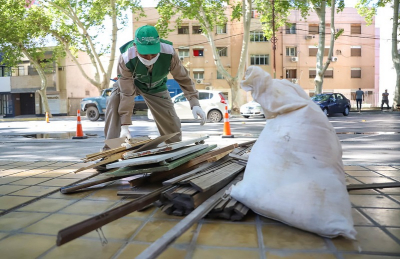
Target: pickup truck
x=95 y=107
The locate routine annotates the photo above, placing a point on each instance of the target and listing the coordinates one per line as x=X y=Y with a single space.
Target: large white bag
x=295 y=172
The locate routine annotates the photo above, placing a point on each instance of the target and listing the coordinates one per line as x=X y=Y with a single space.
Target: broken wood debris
x=196 y=177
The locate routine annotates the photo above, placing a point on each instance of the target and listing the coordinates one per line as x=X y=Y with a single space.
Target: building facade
x=355 y=52
x=66 y=86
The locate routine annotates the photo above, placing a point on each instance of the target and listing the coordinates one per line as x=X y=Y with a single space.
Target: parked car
x=212 y=103
x=251 y=109
x=332 y=103
x=95 y=107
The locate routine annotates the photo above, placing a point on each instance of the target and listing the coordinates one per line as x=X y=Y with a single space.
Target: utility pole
x=274 y=39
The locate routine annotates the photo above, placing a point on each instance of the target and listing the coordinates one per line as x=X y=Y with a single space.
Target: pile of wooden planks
x=180 y=178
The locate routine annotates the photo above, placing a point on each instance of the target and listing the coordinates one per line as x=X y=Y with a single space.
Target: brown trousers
x=161 y=107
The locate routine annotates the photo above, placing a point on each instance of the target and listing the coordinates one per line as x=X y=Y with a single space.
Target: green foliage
x=369 y=8
x=213 y=15
x=337 y=34
x=22 y=31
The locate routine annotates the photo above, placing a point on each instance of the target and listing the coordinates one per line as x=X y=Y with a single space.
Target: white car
x=251 y=109
x=212 y=103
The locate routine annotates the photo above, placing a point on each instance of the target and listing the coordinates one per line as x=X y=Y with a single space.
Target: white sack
x=295 y=172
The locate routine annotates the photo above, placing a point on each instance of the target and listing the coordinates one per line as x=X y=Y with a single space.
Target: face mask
x=148 y=62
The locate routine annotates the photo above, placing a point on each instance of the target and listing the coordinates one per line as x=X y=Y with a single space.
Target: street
x=369 y=137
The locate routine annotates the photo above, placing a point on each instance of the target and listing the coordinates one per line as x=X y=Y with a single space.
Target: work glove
x=125 y=132
x=197 y=111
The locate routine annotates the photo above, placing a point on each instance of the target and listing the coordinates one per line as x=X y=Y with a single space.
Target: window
x=355 y=51
x=291 y=28
x=312 y=73
x=221 y=29
x=219 y=75
x=259 y=59
x=183 y=53
x=204 y=96
x=196 y=29
x=312 y=51
x=198 y=74
x=5 y=71
x=222 y=51
x=355 y=29
x=21 y=70
x=198 y=52
x=184 y=29
x=291 y=51
x=291 y=73
x=328 y=73
x=181 y=98
x=257 y=36
x=313 y=29
x=356 y=72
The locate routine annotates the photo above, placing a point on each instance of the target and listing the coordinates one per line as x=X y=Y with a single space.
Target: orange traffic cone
x=227 y=127
x=79 y=131
x=47 y=117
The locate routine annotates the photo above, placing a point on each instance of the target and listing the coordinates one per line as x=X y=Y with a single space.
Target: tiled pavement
x=33 y=211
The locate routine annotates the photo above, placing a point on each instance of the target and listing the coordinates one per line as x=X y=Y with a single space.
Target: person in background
x=385 y=99
x=359 y=98
x=142 y=70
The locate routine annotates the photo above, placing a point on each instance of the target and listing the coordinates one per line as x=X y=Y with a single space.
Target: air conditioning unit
x=309 y=37
x=208 y=87
x=199 y=81
x=334 y=59
x=294 y=59
x=294 y=80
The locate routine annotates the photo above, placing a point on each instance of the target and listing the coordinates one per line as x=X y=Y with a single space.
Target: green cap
x=147 y=40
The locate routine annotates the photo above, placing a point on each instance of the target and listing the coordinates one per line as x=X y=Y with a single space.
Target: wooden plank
x=166 y=148
x=157 y=141
x=218 y=157
x=133 y=194
x=157 y=247
x=207 y=181
x=192 y=173
x=106 y=160
x=231 y=205
x=157 y=158
x=239 y=157
x=215 y=152
x=241 y=209
x=209 y=170
x=220 y=206
x=247 y=143
x=351 y=187
x=128 y=171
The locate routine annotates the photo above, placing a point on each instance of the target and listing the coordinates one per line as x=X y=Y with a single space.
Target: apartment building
x=195 y=51
x=353 y=65
x=353 y=61
x=66 y=86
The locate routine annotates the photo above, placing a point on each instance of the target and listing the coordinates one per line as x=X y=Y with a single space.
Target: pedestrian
x=385 y=99
x=359 y=98
x=142 y=69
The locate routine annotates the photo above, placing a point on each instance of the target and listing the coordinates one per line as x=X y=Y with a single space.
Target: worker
x=142 y=70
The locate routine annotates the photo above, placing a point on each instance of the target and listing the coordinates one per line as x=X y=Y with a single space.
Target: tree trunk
x=319 y=77
x=395 y=54
x=321 y=67
x=43 y=82
x=233 y=81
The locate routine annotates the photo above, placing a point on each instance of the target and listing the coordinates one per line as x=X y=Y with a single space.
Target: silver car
x=251 y=109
